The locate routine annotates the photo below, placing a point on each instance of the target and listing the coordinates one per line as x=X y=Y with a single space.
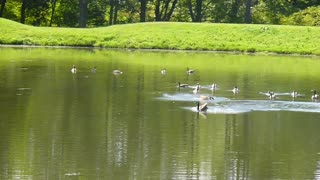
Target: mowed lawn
x=171 y=35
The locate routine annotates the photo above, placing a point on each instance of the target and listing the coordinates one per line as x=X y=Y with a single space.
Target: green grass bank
x=171 y=35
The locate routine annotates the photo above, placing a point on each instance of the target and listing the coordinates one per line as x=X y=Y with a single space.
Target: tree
x=143 y=8
x=38 y=12
x=163 y=11
x=196 y=15
x=97 y=13
x=3 y=4
x=83 y=13
x=247 y=16
x=67 y=13
x=23 y=11
x=111 y=12
x=53 y=8
x=233 y=15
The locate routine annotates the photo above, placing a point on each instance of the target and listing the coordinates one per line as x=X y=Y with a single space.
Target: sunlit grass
x=175 y=36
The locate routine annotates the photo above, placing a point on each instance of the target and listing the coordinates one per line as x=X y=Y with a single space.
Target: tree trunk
x=164 y=10
x=3 y=4
x=198 y=10
x=247 y=17
x=143 y=8
x=174 y=3
x=23 y=11
x=111 y=12
x=234 y=11
x=157 y=10
x=191 y=10
x=116 y=9
x=164 y=13
x=53 y=8
x=83 y=13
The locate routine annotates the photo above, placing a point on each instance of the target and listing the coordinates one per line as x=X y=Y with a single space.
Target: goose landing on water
x=203 y=107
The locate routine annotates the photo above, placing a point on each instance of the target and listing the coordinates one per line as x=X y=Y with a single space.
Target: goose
x=235 y=90
x=202 y=97
x=182 y=85
x=197 y=88
x=214 y=86
x=94 y=69
x=271 y=95
x=315 y=96
x=117 y=72
x=190 y=71
x=203 y=107
x=74 y=69
x=163 y=71
x=294 y=94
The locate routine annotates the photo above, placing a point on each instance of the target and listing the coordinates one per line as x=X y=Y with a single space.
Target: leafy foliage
x=307 y=17
x=97 y=13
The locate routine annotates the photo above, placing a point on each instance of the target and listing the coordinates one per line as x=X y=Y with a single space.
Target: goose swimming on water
x=117 y=72
x=315 y=96
x=182 y=85
x=197 y=88
x=294 y=94
x=235 y=90
x=271 y=95
x=190 y=71
x=94 y=69
x=214 y=86
x=74 y=69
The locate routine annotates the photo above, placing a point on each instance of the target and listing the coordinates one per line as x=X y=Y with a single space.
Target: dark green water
x=139 y=125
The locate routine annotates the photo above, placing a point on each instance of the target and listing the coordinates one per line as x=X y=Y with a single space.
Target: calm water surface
x=139 y=125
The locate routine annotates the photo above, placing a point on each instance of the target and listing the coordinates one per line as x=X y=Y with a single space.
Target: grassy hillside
x=169 y=35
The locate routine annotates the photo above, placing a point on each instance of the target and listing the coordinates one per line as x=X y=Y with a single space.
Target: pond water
x=139 y=125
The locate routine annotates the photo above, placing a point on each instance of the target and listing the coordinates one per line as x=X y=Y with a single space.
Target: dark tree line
x=92 y=13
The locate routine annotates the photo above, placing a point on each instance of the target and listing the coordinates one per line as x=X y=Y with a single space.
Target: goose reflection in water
x=203 y=107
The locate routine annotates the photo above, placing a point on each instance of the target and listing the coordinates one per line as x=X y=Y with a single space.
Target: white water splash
x=242 y=106
x=222 y=105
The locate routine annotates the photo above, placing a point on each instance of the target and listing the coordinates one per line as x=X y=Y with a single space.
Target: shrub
x=307 y=17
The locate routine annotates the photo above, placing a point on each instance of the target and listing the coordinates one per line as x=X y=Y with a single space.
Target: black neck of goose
x=198 y=104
